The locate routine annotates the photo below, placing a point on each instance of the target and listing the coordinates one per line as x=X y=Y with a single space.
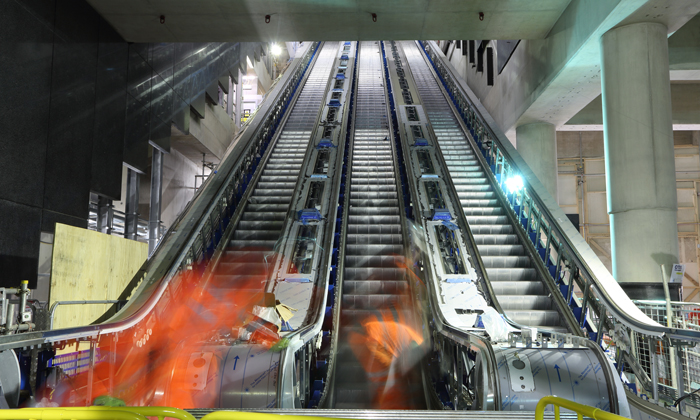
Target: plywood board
x=89 y=265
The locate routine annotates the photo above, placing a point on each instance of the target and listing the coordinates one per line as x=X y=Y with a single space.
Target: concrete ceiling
x=328 y=20
x=685 y=106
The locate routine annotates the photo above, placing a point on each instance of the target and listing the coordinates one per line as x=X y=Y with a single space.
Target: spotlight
x=162 y=19
x=374 y=17
x=267 y=18
x=514 y=183
x=481 y=15
x=275 y=49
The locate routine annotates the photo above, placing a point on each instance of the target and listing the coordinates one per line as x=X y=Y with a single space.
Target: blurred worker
x=390 y=352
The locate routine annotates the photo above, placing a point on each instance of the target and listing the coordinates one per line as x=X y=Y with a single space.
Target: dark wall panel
x=19 y=243
x=71 y=120
x=26 y=54
x=110 y=113
x=78 y=102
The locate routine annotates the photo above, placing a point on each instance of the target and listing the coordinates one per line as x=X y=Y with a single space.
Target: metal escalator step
x=260 y=225
x=373 y=260
x=511 y=274
x=351 y=302
x=380 y=229
x=259 y=215
x=534 y=317
x=258 y=192
x=254 y=243
x=483 y=211
x=276 y=185
x=525 y=302
x=520 y=287
x=491 y=229
x=264 y=208
x=480 y=239
x=240 y=234
x=365 y=180
x=478 y=203
x=372 y=188
x=505 y=261
x=487 y=220
x=373 y=249
x=374 y=220
x=391 y=202
x=271 y=199
x=242 y=267
x=373 y=195
x=375 y=287
x=391 y=273
x=355 y=239
x=501 y=250
x=373 y=211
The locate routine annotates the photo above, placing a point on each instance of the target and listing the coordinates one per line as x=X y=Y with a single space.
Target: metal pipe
x=23 y=294
x=132 y=205
x=654 y=373
x=105 y=215
x=55 y=305
x=156 y=194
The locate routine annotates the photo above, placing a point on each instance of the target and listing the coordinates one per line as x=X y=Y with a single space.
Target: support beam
x=537 y=144
x=105 y=215
x=156 y=195
x=131 y=223
x=639 y=157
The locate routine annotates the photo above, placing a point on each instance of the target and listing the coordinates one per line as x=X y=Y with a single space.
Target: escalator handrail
x=612 y=296
x=166 y=262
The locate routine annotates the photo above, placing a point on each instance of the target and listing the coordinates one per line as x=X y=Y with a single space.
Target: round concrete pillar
x=537 y=144
x=639 y=160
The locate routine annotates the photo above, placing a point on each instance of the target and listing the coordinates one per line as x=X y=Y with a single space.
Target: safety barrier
x=580 y=409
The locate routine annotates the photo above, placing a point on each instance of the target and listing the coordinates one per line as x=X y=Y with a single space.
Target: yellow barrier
x=96 y=413
x=55 y=413
x=580 y=409
x=244 y=415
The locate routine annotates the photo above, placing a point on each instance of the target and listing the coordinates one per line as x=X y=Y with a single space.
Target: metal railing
x=605 y=314
x=580 y=409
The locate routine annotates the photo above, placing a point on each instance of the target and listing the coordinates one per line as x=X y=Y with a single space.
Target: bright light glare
x=514 y=183
x=275 y=49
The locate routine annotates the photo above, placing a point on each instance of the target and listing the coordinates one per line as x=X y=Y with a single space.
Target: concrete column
x=156 y=194
x=639 y=161
x=131 y=224
x=537 y=144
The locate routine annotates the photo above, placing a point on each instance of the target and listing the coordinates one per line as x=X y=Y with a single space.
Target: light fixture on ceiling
x=275 y=49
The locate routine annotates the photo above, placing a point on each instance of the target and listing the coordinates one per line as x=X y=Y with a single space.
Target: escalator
x=261 y=248
x=262 y=223
x=516 y=284
x=374 y=278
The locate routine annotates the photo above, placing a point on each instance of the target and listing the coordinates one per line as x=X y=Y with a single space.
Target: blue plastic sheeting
x=450 y=225
x=459 y=280
x=297 y=280
x=347 y=42
x=334 y=103
x=340 y=76
x=430 y=176
x=441 y=214
x=319 y=176
x=308 y=215
x=325 y=143
x=421 y=142
x=344 y=57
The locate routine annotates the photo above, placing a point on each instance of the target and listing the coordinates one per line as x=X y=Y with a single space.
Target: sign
x=677 y=273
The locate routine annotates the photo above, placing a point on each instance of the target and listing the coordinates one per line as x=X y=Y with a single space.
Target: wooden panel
x=91 y=266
